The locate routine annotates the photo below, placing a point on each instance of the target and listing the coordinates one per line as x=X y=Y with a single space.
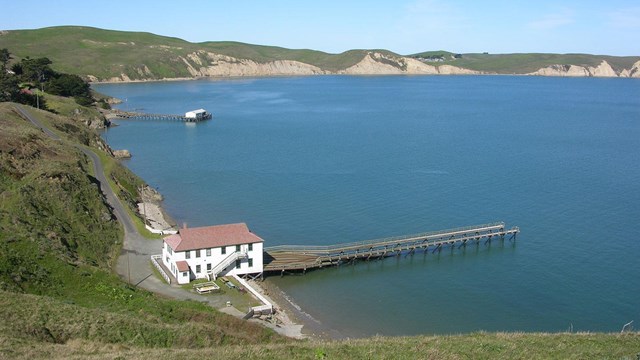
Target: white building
x=197 y=115
x=211 y=251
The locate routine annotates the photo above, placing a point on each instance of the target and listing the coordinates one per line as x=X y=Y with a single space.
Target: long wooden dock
x=164 y=117
x=301 y=258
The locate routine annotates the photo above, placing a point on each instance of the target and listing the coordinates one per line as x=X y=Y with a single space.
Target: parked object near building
x=207 y=252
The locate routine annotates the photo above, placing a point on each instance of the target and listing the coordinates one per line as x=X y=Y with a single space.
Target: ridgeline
x=108 y=55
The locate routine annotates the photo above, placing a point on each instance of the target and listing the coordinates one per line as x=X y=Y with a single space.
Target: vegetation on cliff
x=108 y=55
x=59 y=240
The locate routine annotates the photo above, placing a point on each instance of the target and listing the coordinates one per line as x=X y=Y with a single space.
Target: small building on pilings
x=197 y=115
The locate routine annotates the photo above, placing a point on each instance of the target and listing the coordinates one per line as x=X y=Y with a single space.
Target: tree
x=8 y=87
x=5 y=57
x=36 y=70
x=70 y=85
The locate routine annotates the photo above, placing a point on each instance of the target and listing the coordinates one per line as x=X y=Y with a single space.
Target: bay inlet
x=336 y=159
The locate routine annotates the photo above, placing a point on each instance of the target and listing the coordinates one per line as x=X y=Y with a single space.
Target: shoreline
x=309 y=327
x=287 y=319
x=227 y=77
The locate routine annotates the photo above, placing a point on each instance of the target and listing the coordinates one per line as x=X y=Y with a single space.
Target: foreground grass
x=472 y=346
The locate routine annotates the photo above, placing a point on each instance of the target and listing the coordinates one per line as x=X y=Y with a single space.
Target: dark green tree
x=8 y=87
x=68 y=85
x=5 y=57
x=36 y=70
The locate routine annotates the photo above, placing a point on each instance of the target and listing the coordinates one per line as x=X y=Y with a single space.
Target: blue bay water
x=323 y=160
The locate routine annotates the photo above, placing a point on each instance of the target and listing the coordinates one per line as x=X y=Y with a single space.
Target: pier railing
x=378 y=242
x=302 y=257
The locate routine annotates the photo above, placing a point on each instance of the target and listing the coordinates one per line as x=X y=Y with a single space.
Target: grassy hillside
x=108 y=53
x=526 y=63
x=59 y=240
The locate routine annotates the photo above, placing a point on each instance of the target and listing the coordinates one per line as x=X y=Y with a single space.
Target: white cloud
x=553 y=20
x=628 y=18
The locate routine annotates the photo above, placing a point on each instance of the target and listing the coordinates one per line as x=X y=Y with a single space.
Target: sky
x=403 y=26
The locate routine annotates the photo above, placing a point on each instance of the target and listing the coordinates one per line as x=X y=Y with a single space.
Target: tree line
x=22 y=79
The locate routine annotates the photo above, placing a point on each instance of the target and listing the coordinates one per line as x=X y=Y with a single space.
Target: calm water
x=321 y=160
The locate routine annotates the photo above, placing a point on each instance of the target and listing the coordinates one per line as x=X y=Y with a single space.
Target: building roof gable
x=182 y=266
x=211 y=236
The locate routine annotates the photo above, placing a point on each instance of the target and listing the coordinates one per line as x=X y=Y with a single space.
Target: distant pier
x=190 y=116
x=285 y=258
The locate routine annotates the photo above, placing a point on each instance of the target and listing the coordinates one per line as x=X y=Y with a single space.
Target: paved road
x=134 y=262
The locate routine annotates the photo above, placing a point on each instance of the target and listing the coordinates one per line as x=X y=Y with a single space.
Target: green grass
x=526 y=63
x=239 y=300
x=472 y=346
x=59 y=241
x=108 y=53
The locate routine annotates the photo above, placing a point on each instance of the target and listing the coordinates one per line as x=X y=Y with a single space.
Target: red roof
x=182 y=266
x=212 y=236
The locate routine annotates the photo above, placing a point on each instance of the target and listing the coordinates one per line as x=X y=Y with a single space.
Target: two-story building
x=211 y=251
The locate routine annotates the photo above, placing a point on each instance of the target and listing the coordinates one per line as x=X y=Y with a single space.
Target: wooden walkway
x=166 y=117
x=300 y=258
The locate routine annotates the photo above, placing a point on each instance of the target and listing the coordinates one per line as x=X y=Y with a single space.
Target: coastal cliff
x=101 y=55
x=203 y=63
x=602 y=70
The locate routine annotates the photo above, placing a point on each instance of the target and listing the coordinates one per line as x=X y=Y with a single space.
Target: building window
x=208 y=267
x=237 y=248
x=223 y=250
x=250 y=262
x=167 y=260
x=187 y=254
x=198 y=269
x=250 y=247
x=208 y=252
x=184 y=274
x=197 y=253
x=237 y=264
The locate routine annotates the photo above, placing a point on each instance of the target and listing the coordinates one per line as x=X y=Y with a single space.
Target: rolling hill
x=109 y=55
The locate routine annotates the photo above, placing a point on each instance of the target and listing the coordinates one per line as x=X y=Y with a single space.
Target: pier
x=190 y=117
x=285 y=258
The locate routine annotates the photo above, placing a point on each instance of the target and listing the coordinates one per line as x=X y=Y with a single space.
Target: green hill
x=526 y=63
x=109 y=53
